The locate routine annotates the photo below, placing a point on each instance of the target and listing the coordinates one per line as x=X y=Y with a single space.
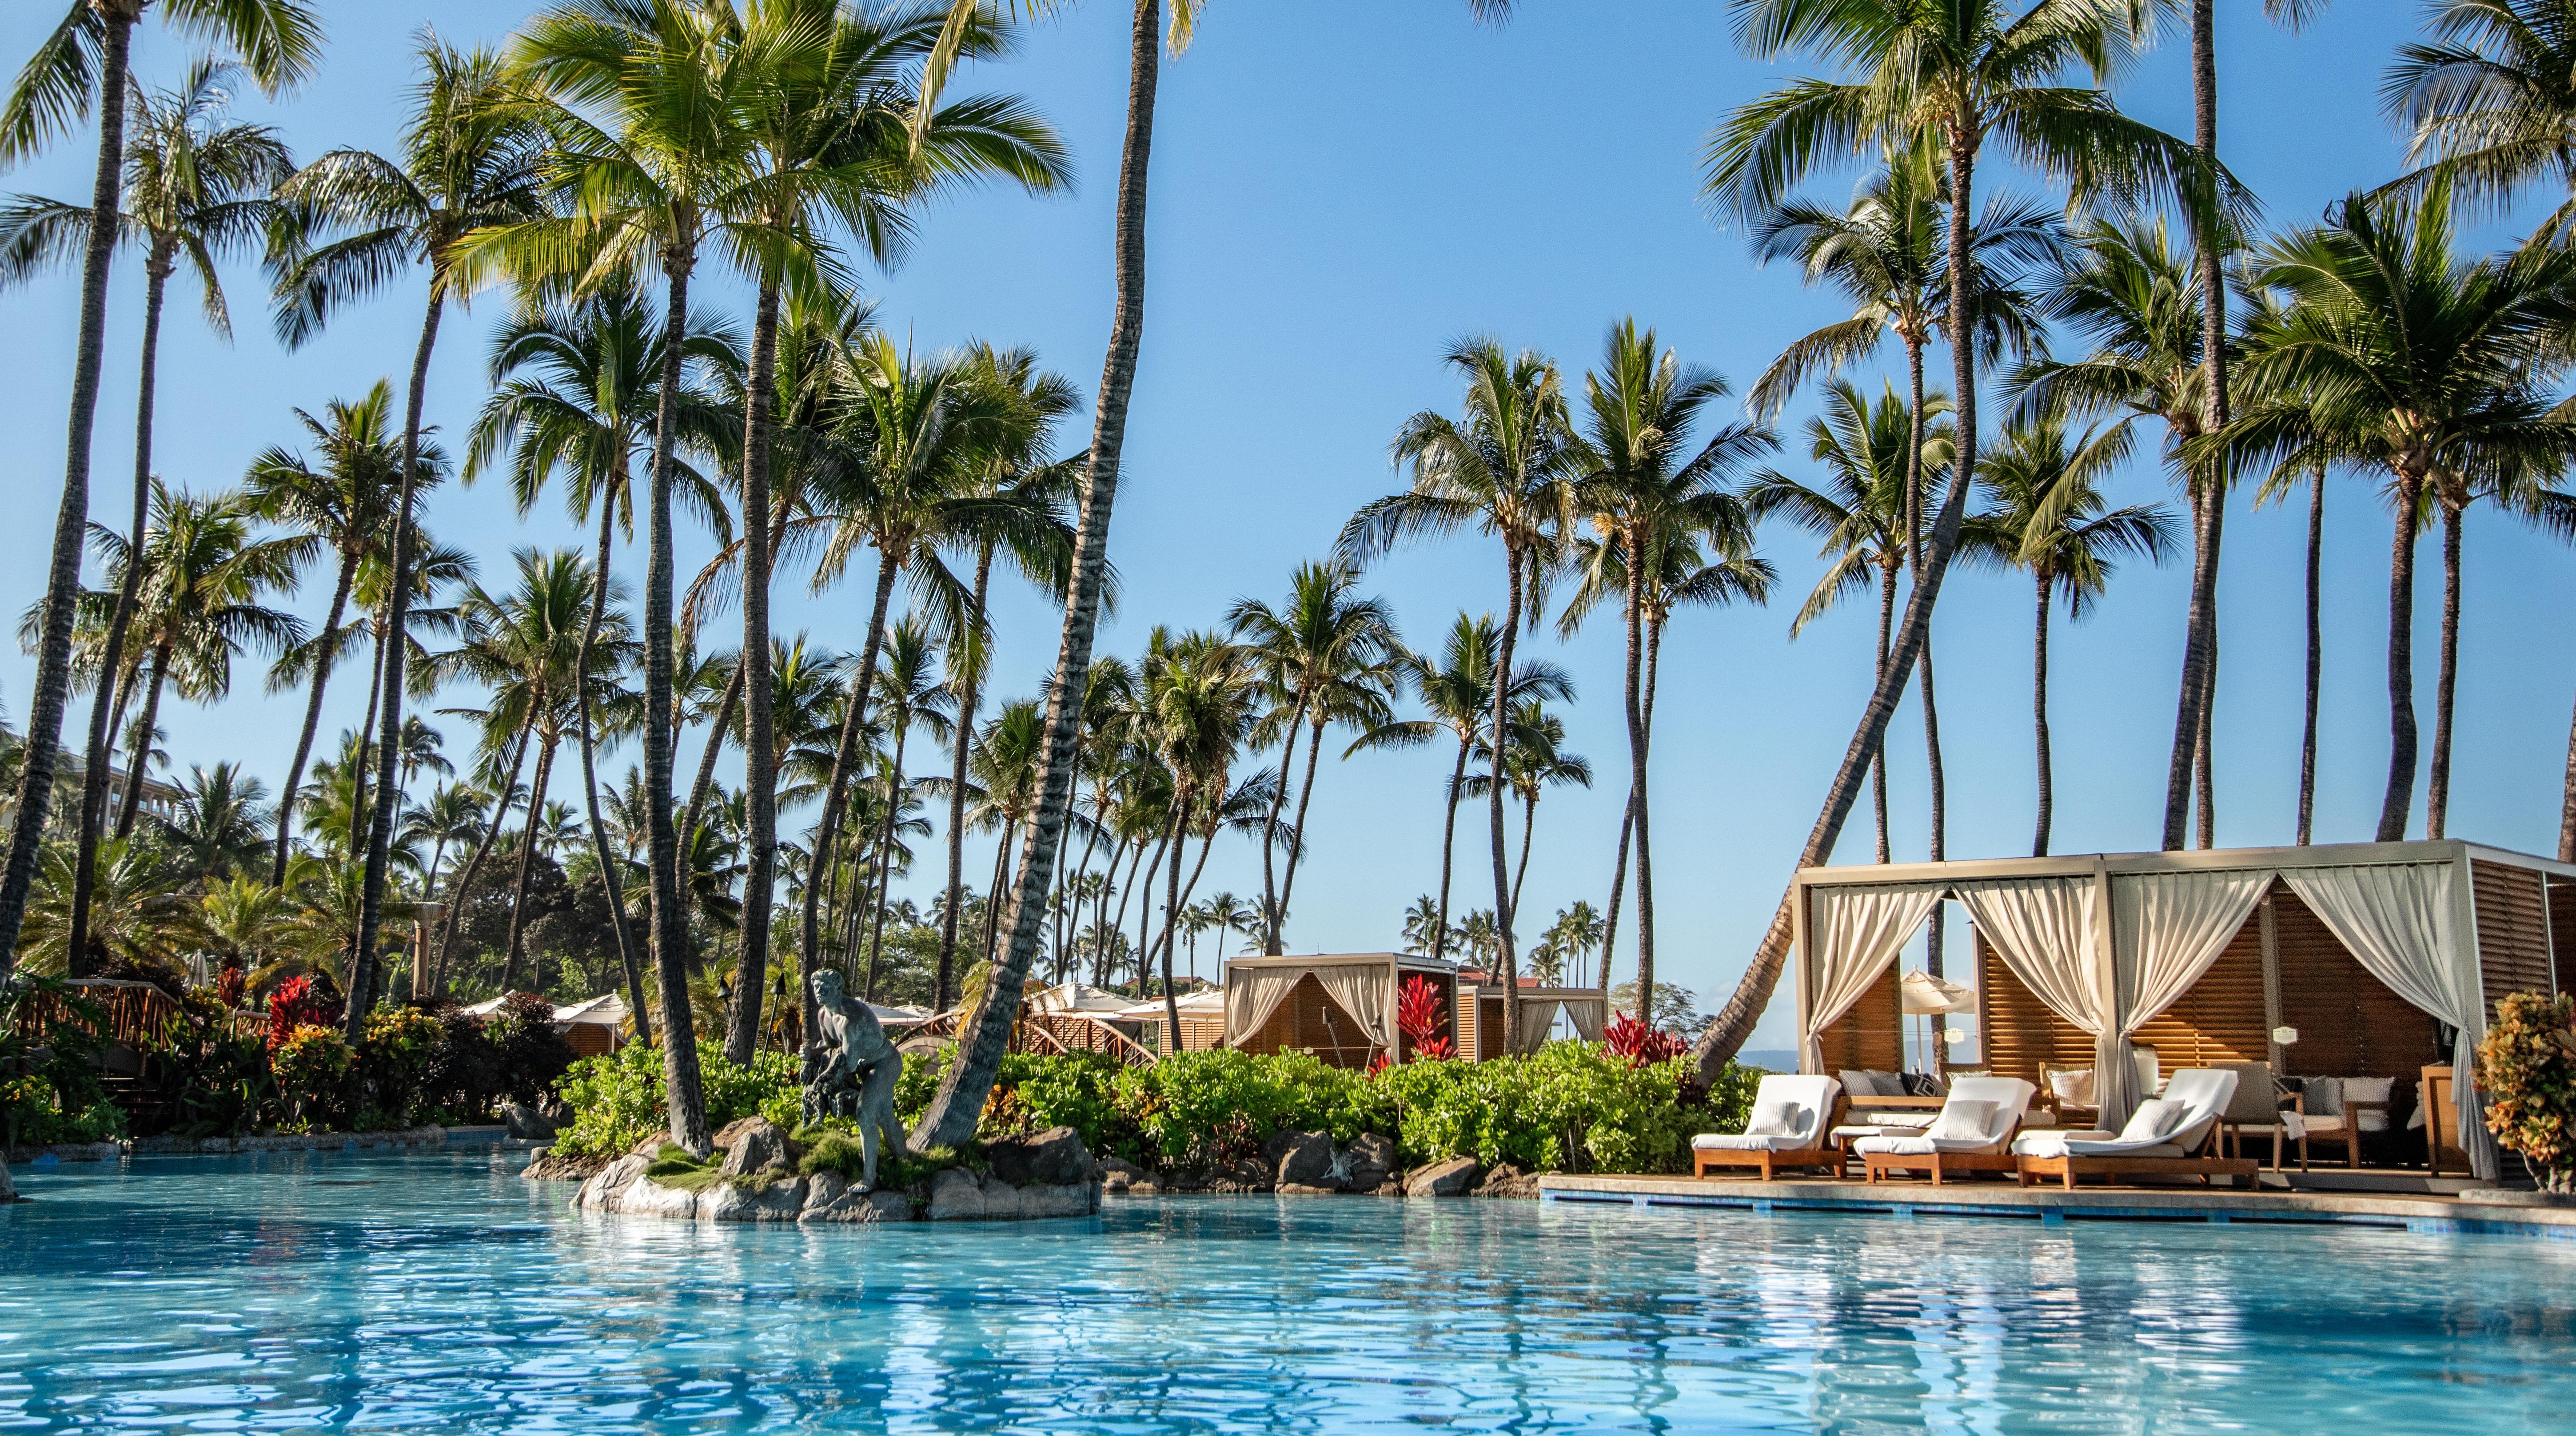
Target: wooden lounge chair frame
x=2067 y=1166
x=1824 y=1154
x=1998 y=1158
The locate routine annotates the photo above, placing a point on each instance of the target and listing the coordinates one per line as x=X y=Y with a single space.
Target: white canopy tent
x=2110 y=942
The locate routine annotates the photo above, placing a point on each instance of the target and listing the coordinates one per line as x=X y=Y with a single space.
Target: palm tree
x=1866 y=450
x=2137 y=303
x=1328 y=656
x=1645 y=494
x=340 y=501
x=1957 y=76
x=2424 y=367
x=2490 y=98
x=2051 y=519
x=1534 y=760
x=1200 y=691
x=910 y=694
x=1509 y=469
x=216 y=833
x=1458 y=691
x=530 y=647
x=86 y=58
x=194 y=192
x=575 y=387
x=453 y=814
x=467 y=159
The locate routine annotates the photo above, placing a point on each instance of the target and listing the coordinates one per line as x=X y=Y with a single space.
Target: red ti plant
x=1418 y=1011
x=295 y=1004
x=1642 y=1045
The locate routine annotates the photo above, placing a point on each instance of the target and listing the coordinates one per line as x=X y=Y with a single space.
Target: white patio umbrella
x=1924 y=995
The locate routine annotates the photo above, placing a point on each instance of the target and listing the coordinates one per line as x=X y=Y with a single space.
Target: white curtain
x=2166 y=929
x=2043 y=930
x=1852 y=933
x=2397 y=922
x=1251 y=995
x=1367 y=993
x=1537 y=1020
x=1589 y=1016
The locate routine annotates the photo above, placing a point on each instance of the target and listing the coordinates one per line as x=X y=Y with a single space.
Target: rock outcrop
x=1452 y=1178
x=758 y=1183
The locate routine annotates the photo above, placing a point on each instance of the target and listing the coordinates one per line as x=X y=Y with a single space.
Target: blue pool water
x=447 y=1293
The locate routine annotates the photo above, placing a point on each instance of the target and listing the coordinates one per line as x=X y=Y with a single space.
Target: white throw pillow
x=1775 y=1119
x=1962 y=1120
x=2153 y=1121
x=1858 y=1084
x=2370 y=1089
x=2075 y=1089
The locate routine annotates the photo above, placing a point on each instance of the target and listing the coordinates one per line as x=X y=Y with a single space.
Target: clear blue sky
x=1339 y=187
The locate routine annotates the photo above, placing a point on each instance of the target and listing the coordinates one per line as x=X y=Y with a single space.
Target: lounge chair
x=1787 y=1129
x=2161 y=1139
x=1973 y=1133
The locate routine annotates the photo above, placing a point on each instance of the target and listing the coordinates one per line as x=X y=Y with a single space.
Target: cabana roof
x=2109 y=942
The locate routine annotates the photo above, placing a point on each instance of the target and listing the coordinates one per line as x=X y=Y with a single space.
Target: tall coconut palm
x=1325 y=649
x=1645 y=493
x=1200 y=692
x=340 y=498
x=1508 y=469
x=195 y=192
x=467 y=158
x=1458 y=690
x=2489 y=101
x=1959 y=76
x=910 y=694
x=1867 y=451
x=2421 y=366
x=2051 y=520
x=1534 y=760
x=453 y=814
x=536 y=648
x=576 y=387
x=2136 y=301
x=88 y=59
x=217 y=830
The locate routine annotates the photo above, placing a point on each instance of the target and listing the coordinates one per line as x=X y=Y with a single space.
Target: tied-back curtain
x=2043 y=929
x=1251 y=995
x=1537 y=1020
x=2166 y=929
x=2397 y=923
x=1367 y=993
x=1852 y=933
x=1590 y=1015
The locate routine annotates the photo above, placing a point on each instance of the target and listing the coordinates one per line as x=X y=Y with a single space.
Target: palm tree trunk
x=380 y=836
x=703 y=786
x=102 y=739
x=1725 y=1036
x=827 y=828
x=2400 y=797
x=2316 y=664
x=1297 y=845
x=1449 y=842
x=2213 y=344
x=885 y=855
x=463 y=885
x=1633 y=711
x=960 y=1098
x=323 y=647
x=993 y=890
x=2437 y=794
x=2567 y=801
x=1618 y=884
x=1172 y=904
x=1145 y=918
x=626 y=954
x=1878 y=766
x=359 y=752
x=53 y=685
x=1506 y=957
x=1271 y=903
x=943 y=983
x=2039 y=717
x=1940 y=803
x=686 y=1097
x=759 y=742
x=527 y=858
x=140 y=756
x=1529 y=828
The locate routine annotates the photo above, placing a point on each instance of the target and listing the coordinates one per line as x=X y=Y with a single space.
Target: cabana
x=1339 y=1006
x=1480 y=1014
x=2358 y=960
x=1202 y=1021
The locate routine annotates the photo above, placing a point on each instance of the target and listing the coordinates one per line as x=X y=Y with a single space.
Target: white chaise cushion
x=1748 y=1142
x=1788 y=1115
x=1964 y=1122
x=2199 y=1094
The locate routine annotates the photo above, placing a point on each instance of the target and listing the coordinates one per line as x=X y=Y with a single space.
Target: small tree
x=2527 y=1069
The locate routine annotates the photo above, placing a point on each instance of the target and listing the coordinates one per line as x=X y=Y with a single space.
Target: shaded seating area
x=2357 y=978
x=1343 y=1007
x=2175 y=1135
x=1790 y=1118
x=1973 y=1132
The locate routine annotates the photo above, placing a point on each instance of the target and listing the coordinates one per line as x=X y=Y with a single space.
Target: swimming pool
x=418 y=1292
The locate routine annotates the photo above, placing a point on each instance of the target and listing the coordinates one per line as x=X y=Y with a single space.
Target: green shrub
x=2527 y=1070
x=313 y=1065
x=1571 y=1106
x=618 y=1098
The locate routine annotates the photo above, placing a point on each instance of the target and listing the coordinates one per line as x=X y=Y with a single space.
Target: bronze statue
x=850 y=1070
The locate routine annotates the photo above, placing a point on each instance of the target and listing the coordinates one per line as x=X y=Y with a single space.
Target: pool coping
x=2054 y=1205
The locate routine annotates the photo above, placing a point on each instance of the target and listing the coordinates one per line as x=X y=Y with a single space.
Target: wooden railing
x=1078 y=1033
x=130 y=1012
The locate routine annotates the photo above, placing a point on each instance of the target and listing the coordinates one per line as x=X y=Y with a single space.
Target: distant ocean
x=1769 y=1059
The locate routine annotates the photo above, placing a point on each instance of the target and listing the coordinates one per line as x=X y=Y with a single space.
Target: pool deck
x=2053 y=1205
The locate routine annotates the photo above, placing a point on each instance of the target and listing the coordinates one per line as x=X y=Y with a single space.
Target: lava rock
x=1305 y=1160
x=1367 y=1162
x=955 y=1196
x=1452 y=1178
x=1052 y=1158
x=526 y=1123
x=744 y=1202
x=757 y=1146
x=650 y=1198
x=1119 y=1177
x=1509 y=1182
x=601 y=1192
x=1303 y=1189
